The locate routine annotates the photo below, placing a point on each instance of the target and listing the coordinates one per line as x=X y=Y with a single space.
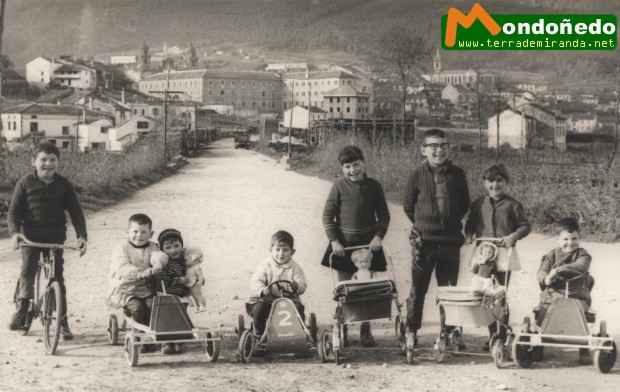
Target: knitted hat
x=169 y=234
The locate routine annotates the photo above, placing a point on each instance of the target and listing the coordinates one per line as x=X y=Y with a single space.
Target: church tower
x=437 y=62
x=144 y=59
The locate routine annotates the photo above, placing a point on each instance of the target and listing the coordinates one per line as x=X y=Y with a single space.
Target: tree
x=2 y=63
x=403 y=51
x=611 y=70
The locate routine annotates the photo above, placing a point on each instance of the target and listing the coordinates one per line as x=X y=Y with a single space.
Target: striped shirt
x=172 y=271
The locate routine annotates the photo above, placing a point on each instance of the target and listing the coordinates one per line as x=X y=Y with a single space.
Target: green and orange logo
x=478 y=30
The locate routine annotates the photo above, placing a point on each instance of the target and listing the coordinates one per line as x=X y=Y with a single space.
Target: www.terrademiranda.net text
x=537 y=44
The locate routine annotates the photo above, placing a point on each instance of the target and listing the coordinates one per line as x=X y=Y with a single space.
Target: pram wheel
x=113 y=330
x=313 y=327
x=497 y=350
x=213 y=346
x=324 y=346
x=604 y=360
x=131 y=351
x=246 y=343
x=337 y=357
x=440 y=348
x=240 y=325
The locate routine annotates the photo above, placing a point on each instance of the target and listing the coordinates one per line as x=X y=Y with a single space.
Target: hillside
x=89 y=28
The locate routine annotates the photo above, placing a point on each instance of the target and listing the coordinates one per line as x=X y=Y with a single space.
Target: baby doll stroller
x=464 y=306
x=358 y=301
x=566 y=325
x=169 y=323
x=285 y=331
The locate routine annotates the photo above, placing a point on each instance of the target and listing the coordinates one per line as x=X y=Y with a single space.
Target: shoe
x=538 y=354
x=584 y=357
x=366 y=337
x=17 y=320
x=485 y=346
x=200 y=309
x=178 y=348
x=411 y=338
x=64 y=330
x=167 y=348
x=148 y=348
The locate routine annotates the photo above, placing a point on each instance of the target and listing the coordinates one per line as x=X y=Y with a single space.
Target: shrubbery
x=550 y=186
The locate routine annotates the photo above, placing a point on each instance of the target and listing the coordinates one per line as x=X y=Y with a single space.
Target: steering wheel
x=576 y=281
x=280 y=288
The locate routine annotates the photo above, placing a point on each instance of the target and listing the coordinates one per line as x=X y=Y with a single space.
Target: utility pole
x=290 y=123
x=166 y=92
x=77 y=127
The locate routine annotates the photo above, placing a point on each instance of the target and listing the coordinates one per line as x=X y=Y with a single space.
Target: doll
x=362 y=259
x=484 y=267
x=193 y=259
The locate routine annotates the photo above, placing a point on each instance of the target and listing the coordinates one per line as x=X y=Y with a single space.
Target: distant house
x=286 y=67
x=302 y=117
x=129 y=131
x=65 y=71
x=563 y=96
x=519 y=130
x=347 y=102
x=94 y=135
x=56 y=124
x=461 y=96
x=40 y=71
x=582 y=122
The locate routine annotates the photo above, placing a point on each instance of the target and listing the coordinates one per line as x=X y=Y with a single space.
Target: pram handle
x=490 y=239
x=385 y=250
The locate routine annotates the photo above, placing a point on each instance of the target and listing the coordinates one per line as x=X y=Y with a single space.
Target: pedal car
x=169 y=323
x=358 y=301
x=285 y=331
x=566 y=325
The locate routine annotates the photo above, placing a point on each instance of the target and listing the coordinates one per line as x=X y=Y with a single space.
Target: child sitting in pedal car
x=279 y=265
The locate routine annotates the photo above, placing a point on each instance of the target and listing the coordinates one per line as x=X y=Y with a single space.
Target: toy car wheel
x=131 y=351
x=314 y=331
x=497 y=350
x=442 y=318
x=439 y=349
x=455 y=340
x=400 y=328
x=213 y=346
x=510 y=338
x=240 y=325
x=604 y=360
x=324 y=346
x=113 y=330
x=246 y=346
x=522 y=354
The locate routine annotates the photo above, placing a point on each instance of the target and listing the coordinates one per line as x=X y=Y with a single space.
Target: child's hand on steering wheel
x=294 y=286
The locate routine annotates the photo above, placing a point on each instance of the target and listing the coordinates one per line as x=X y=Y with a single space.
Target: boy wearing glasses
x=436 y=200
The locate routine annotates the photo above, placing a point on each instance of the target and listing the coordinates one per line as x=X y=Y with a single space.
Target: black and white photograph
x=309 y=195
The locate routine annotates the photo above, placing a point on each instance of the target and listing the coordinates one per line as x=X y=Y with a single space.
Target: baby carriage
x=358 y=301
x=169 y=323
x=464 y=306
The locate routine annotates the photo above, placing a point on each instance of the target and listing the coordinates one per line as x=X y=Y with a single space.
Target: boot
x=64 y=329
x=584 y=357
x=17 y=319
x=366 y=337
x=167 y=348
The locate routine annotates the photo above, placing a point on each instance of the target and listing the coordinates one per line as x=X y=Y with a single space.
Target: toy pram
x=463 y=306
x=169 y=323
x=358 y=301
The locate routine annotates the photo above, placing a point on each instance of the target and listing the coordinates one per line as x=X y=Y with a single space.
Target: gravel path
x=229 y=202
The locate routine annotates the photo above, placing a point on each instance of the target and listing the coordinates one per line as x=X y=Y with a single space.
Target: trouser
x=260 y=314
x=502 y=278
x=30 y=262
x=441 y=257
x=139 y=309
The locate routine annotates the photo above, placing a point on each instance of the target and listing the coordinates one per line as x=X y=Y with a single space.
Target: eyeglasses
x=435 y=146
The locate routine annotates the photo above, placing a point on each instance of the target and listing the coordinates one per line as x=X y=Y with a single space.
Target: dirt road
x=229 y=202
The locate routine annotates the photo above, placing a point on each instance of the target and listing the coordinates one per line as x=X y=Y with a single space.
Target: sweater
x=127 y=261
x=579 y=260
x=38 y=209
x=421 y=203
x=497 y=219
x=268 y=271
x=355 y=211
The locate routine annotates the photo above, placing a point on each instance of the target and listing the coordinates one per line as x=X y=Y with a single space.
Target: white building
x=514 y=128
x=128 y=132
x=94 y=135
x=125 y=59
x=41 y=70
x=302 y=117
